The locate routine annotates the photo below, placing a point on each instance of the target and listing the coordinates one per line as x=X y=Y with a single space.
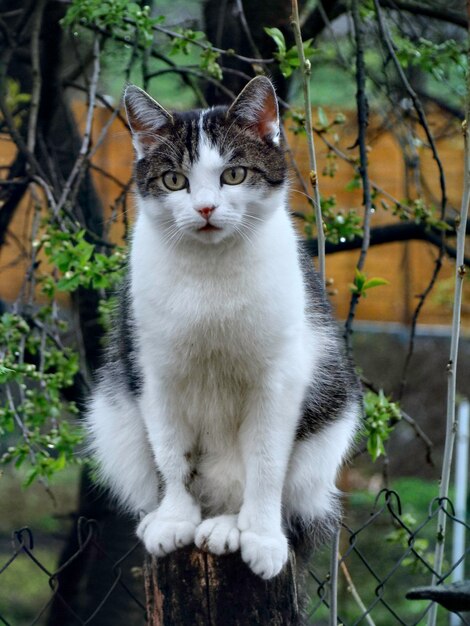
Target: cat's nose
x=206 y=211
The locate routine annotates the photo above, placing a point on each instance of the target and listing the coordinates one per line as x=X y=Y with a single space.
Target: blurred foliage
x=36 y=368
x=122 y=18
x=79 y=262
x=16 y=101
x=35 y=371
x=421 y=545
x=431 y=57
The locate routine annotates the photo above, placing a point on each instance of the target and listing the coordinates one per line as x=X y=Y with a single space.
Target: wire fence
x=379 y=561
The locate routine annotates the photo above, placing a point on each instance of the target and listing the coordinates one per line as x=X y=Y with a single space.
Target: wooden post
x=194 y=588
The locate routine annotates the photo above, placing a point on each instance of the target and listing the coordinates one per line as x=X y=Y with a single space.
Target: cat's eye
x=174 y=181
x=233 y=175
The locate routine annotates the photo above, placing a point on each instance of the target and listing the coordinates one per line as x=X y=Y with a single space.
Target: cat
x=226 y=405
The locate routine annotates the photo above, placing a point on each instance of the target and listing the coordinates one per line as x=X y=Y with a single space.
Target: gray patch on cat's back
x=336 y=384
x=121 y=356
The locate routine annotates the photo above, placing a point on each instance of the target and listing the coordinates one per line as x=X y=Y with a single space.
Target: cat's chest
x=193 y=324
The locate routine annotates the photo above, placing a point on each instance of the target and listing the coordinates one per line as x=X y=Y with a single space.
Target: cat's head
x=209 y=175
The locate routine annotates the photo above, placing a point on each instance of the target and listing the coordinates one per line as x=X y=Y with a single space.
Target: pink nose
x=206 y=211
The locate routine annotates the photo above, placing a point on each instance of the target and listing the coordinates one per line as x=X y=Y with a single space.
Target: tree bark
x=195 y=588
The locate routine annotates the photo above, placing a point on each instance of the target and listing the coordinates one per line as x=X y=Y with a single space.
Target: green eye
x=233 y=175
x=174 y=181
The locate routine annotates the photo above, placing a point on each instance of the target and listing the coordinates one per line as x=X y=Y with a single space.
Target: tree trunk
x=194 y=588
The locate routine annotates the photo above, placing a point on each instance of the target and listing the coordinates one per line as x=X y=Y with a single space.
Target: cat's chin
x=208 y=228
x=211 y=235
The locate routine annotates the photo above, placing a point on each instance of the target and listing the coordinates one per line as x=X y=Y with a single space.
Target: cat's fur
x=226 y=405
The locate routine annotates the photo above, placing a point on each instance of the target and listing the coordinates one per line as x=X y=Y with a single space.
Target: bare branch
x=36 y=74
x=438 y=13
x=390 y=233
x=385 y=37
x=331 y=9
x=454 y=350
x=205 y=46
x=74 y=174
x=305 y=68
x=355 y=594
x=195 y=72
x=362 y=118
x=246 y=28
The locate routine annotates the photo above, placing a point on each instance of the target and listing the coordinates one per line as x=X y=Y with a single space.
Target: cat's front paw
x=265 y=554
x=161 y=534
x=219 y=535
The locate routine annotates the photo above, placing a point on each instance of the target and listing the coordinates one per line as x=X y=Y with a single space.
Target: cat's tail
x=306 y=538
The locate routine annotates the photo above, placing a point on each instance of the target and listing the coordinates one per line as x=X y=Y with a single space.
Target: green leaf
x=375 y=446
x=353 y=184
x=322 y=118
x=279 y=39
x=6 y=373
x=374 y=282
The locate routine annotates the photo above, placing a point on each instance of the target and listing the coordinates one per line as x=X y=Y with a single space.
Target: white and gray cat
x=226 y=405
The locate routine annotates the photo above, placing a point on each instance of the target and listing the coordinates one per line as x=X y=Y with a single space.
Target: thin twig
x=454 y=349
x=332 y=34
x=306 y=68
x=36 y=74
x=386 y=38
x=246 y=28
x=88 y=127
x=116 y=112
x=207 y=46
x=99 y=98
x=420 y=434
x=362 y=119
x=414 y=320
x=48 y=191
x=355 y=594
x=19 y=422
x=195 y=72
x=333 y=618
x=107 y=175
x=353 y=163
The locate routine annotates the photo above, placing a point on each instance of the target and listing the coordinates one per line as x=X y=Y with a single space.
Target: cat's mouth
x=208 y=227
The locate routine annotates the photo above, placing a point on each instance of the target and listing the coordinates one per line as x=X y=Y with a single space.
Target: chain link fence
x=380 y=559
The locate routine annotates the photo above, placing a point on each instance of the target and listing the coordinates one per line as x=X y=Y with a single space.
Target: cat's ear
x=146 y=118
x=256 y=108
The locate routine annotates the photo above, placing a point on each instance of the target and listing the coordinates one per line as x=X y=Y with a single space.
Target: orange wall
x=407 y=267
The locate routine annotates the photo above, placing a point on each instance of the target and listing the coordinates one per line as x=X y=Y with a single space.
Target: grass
x=24 y=587
x=382 y=546
x=33 y=506
x=25 y=590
